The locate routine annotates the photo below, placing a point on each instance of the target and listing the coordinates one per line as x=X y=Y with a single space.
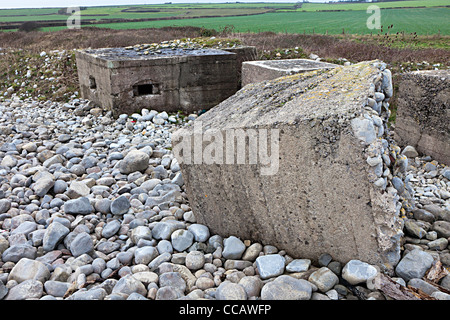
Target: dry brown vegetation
x=91 y=37
x=326 y=46
x=332 y=47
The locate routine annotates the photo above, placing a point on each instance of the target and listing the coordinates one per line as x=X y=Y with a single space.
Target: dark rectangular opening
x=92 y=83
x=145 y=89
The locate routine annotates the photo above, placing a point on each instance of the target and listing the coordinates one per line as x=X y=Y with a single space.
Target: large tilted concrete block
x=124 y=81
x=303 y=162
x=423 y=113
x=257 y=71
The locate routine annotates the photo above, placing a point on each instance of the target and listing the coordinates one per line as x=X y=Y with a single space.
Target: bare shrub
x=29 y=26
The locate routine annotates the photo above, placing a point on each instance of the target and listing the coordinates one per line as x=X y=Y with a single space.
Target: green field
x=277 y=17
x=363 y=6
x=421 y=21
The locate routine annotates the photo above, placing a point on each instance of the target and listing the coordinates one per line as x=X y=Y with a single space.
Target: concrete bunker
x=169 y=79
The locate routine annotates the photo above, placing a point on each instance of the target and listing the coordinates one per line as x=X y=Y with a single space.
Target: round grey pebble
x=195 y=260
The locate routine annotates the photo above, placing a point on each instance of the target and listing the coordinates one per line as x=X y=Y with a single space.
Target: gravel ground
x=94 y=208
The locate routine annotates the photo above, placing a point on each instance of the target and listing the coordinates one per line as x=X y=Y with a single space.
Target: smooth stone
x=25 y=228
x=230 y=291
x=195 y=260
x=29 y=289
x=56 y=203
x=414 y=265
x=145 y=255
x=108 y=246
x=89 y=162
x=298 y=265
x=442 y=228
x=252 y=285
x=111 y=228
x=325 y=259
x=422 y=285
x=252 y=252
x=81 y=244
x=56 y=288
x=237 y=264
x=204 y=283
x=5 y=205
x=410 y=152
x=60 y=186
x=398 y=184
x=146 y=277
x=270 y=265
x=414 y=229
x=3 y=290
x=54 y=234
x=129 y=284
x=164 y=246
x=324 y=279
x=78 y=206
x=164 y=257
x=356 y=272
x=64 y=137
x=43 y=186
x=78 y=189
x=92 y=294
x=168 y=293
x=172 y=279
x=136 y=296
x=286 y=288
x=200 y=232
x=27 y=269
x=420 y=214
x=233 y=248
x=163 y=230
x=135 y=160
x=103 y=205
x=438 y=244
x=181 y=239
x=16 y=252
x=140 y=232
x=120 y=205
x=150 y=184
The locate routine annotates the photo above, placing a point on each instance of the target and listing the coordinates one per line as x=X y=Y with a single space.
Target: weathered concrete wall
x=257 y=71
x=423 y=113
x=88 y=66
x=331 y=191
x=185 y=80
x=243 y=54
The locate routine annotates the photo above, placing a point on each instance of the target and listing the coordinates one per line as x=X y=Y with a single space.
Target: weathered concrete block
x=257 y=71
x=423 y=113
x=296 y=162
x=168 y=80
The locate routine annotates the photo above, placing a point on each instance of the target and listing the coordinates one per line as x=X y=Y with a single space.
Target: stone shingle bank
x=303 y=162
